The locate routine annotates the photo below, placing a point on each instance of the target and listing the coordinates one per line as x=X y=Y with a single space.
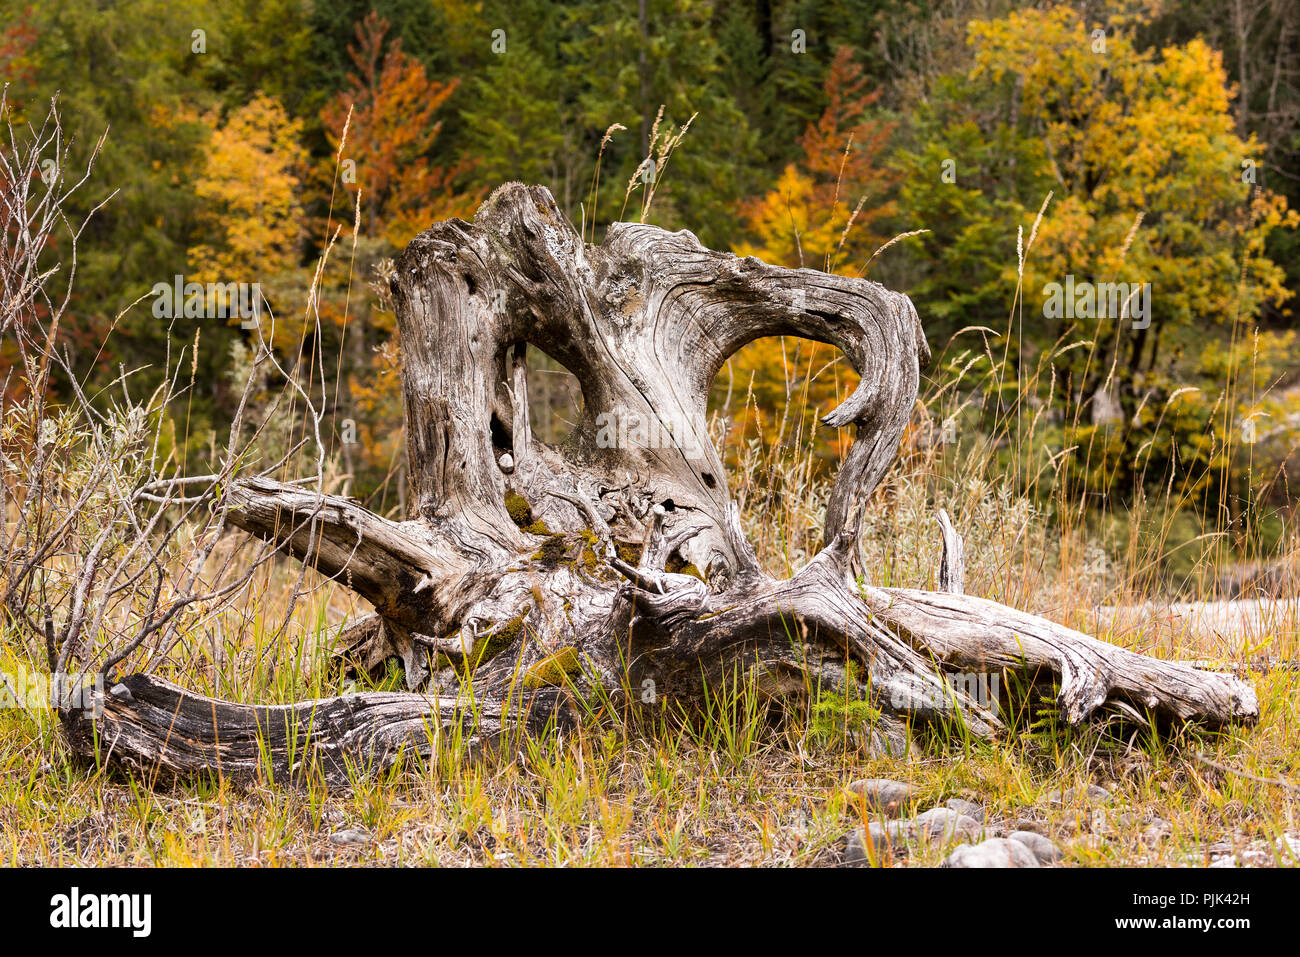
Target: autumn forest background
x=967 y=153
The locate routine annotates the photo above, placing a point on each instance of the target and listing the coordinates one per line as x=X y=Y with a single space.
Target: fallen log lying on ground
x=611 y=567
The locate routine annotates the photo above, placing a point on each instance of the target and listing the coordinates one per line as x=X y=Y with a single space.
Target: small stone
x=943 y=825
x=890 y=833
x=969 y=808
x=1030 y=824
x=350 y=836
x=1155 y=833
x=1123 y=821
x=881 y=794
x=1092 y=794
x=995 y=852
x=1254 y=857
x=1039 y=846
x=1070 y=824
x=1228 y=861
x=855 y=851
x=1289 y=844
x=882 y=839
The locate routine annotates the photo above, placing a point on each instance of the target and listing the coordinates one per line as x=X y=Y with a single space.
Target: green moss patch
x=490 y=645
x=554 y=669
x=517 y=507
x=679 y=567
x=551 y=552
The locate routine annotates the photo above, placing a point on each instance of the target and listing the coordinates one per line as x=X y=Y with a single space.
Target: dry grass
x=737 y=787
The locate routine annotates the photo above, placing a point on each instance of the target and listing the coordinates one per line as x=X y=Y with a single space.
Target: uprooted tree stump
x=529 y=573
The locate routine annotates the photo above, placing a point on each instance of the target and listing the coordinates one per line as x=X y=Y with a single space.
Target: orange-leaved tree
x=824 y=213
x=384 y=187
x=383 y=130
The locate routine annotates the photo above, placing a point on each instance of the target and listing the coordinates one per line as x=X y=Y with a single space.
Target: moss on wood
x=551 y=552
x=517 y=507
x=554 y=669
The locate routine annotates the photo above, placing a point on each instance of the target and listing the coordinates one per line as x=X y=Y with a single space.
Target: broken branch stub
x=617 y=559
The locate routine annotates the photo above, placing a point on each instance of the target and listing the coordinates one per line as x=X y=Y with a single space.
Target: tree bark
x=526 y=567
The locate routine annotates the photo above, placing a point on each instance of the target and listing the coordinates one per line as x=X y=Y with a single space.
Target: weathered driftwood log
x=616 y=561
x=158 y=730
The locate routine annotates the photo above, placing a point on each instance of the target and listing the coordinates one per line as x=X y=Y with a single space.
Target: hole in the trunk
x=679 y=565
x=764 y=407
x=554 y=398
x=766 y=400
x=709 y=480
x=500 y=437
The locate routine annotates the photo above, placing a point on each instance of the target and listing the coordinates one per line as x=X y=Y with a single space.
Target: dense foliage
x=299 y=144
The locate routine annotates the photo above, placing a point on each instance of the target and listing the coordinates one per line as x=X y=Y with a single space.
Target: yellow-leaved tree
x=1155 y=189
x=824 y=211
x=250 y=181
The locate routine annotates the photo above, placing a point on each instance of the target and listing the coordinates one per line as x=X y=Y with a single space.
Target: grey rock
x=881 y=794
x=855 y=851
x=1039 y=846
x=1092 y=794
x=350 y=836
x=881 y=839
x=1076 y=824
x=1254 y=857
x=889 y=833
x=1122 y=821
x=943 y=825
x=969 y=808
x=1155 y=833
x=995 y=852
